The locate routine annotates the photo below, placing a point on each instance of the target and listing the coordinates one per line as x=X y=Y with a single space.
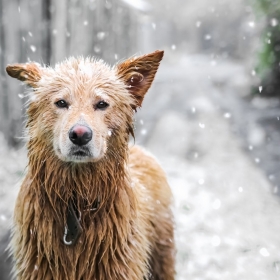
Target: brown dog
x=90 y=207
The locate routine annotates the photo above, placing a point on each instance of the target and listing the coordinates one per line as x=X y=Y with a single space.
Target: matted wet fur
x=130 y=234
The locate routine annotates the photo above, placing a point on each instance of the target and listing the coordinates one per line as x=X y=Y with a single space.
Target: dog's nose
x=80 y=134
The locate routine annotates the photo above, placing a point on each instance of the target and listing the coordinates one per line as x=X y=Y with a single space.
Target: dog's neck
x=49 y=187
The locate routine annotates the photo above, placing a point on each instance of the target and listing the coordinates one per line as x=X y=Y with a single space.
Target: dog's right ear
x=138 y=74
x=30 y=73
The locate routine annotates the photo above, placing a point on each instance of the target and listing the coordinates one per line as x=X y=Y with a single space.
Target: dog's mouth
x=75 y=153
x=79 y=155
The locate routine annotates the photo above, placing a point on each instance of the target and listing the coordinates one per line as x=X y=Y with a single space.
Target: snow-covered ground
x=227 y=217
x=12 y=165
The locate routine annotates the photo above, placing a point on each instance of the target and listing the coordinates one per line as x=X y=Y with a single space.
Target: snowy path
x=228 y=220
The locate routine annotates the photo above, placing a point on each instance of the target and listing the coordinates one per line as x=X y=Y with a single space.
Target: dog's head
x=81 y=105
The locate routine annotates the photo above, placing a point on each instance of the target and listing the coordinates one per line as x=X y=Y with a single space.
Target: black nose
x=80 y=134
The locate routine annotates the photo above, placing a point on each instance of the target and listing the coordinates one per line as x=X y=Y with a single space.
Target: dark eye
x=102 y=105
x=61 y=104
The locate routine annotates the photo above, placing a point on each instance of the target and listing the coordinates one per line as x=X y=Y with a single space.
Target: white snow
x=101 y=35
x=201 y=125
x=264 y=252
x=139 y=5
x=97 y=48
x=33 y=48
x=251 y=24
x=217 y=204
x=227 y=217
x=143 y=131
x=227 y=115
x=274 y=22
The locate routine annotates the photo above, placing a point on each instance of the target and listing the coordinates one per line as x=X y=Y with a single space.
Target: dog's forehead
x=82 y=72
x=83 y=76
x=85 y=67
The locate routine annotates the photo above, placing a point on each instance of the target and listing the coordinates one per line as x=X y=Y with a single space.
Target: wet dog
x=90 y=206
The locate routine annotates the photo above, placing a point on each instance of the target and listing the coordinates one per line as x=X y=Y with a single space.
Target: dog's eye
x=102 y=105
x=61 y=104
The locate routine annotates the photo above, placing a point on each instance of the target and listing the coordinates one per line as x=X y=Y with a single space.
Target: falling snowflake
x=251 y=24
x=201 y=181
x=264 y=252
x=101 y=35
x=227 y=115
x=201 y=125
x=273 y=22
x=216 y=241
x=33 y=48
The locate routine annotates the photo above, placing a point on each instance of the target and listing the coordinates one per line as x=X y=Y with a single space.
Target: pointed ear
x=30 y=73
x=138 y=74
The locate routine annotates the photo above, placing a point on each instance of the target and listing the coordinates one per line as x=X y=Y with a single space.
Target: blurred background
x=212 y=116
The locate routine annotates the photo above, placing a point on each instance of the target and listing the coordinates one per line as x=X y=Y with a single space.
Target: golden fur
x=130 y=236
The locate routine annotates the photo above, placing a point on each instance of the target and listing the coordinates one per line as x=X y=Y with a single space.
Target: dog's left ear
x=138 y=74
x=30 y=73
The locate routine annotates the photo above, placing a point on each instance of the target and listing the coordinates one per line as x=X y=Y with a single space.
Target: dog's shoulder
x=145 y=171
x=139 y=158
